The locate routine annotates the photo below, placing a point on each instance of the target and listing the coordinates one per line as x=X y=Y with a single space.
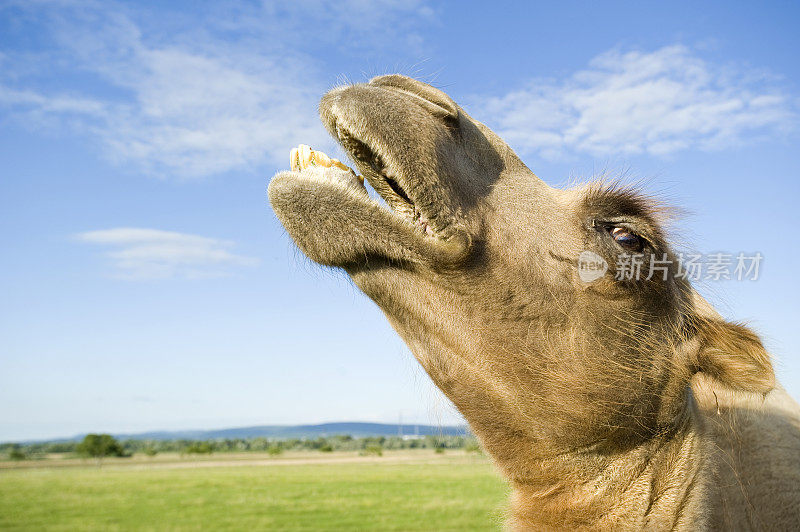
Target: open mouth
x=385 y=180
x=410 y=217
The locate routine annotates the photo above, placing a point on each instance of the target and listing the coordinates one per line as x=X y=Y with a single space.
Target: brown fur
x=607 y=405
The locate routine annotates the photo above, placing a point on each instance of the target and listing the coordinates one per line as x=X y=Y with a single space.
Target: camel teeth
x=320 y=159
x=303 y=157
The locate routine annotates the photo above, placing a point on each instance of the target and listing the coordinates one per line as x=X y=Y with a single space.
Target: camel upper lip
x=387 y=180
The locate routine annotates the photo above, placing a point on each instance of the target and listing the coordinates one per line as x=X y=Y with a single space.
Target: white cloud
x=142 y=254
x=212 y=92
x=637 y=102
x=198 y=115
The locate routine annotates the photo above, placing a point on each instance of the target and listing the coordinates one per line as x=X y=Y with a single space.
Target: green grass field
x=417 y=491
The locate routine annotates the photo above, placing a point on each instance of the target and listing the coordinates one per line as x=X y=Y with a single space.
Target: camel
x=620 y=403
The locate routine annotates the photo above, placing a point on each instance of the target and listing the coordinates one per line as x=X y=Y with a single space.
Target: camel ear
x=732 y=354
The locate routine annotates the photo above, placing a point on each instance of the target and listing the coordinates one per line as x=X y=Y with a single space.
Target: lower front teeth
x=303 y=157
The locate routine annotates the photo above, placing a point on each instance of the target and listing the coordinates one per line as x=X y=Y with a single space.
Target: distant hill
x=351 y=428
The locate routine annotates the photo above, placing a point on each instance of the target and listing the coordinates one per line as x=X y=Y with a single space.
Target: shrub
x=17 y=454
x=372 y=450
x=473 y=447
x=150 y=451
x=199 y=447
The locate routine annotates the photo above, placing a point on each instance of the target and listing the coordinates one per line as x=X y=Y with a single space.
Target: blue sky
x=145 y=282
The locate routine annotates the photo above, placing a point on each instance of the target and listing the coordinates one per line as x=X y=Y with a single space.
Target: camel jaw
x=335 y=225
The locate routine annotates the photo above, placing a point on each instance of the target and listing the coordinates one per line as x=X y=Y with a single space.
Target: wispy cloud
x=143 y=254
x=637 y=102
x=225 y=90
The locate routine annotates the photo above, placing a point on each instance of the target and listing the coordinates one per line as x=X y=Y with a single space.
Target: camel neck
x=653 y=486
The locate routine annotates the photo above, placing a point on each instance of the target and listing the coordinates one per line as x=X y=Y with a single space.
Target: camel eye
x=626 y=238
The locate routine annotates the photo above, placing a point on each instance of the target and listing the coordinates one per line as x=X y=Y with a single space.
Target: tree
x=99 y=446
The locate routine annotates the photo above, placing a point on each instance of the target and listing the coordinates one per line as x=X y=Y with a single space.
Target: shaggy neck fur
x=654 y=486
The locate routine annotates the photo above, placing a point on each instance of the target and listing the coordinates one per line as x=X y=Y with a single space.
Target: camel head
x=476 y=262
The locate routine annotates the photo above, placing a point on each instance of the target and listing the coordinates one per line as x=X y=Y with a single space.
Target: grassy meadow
x=403 y=490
